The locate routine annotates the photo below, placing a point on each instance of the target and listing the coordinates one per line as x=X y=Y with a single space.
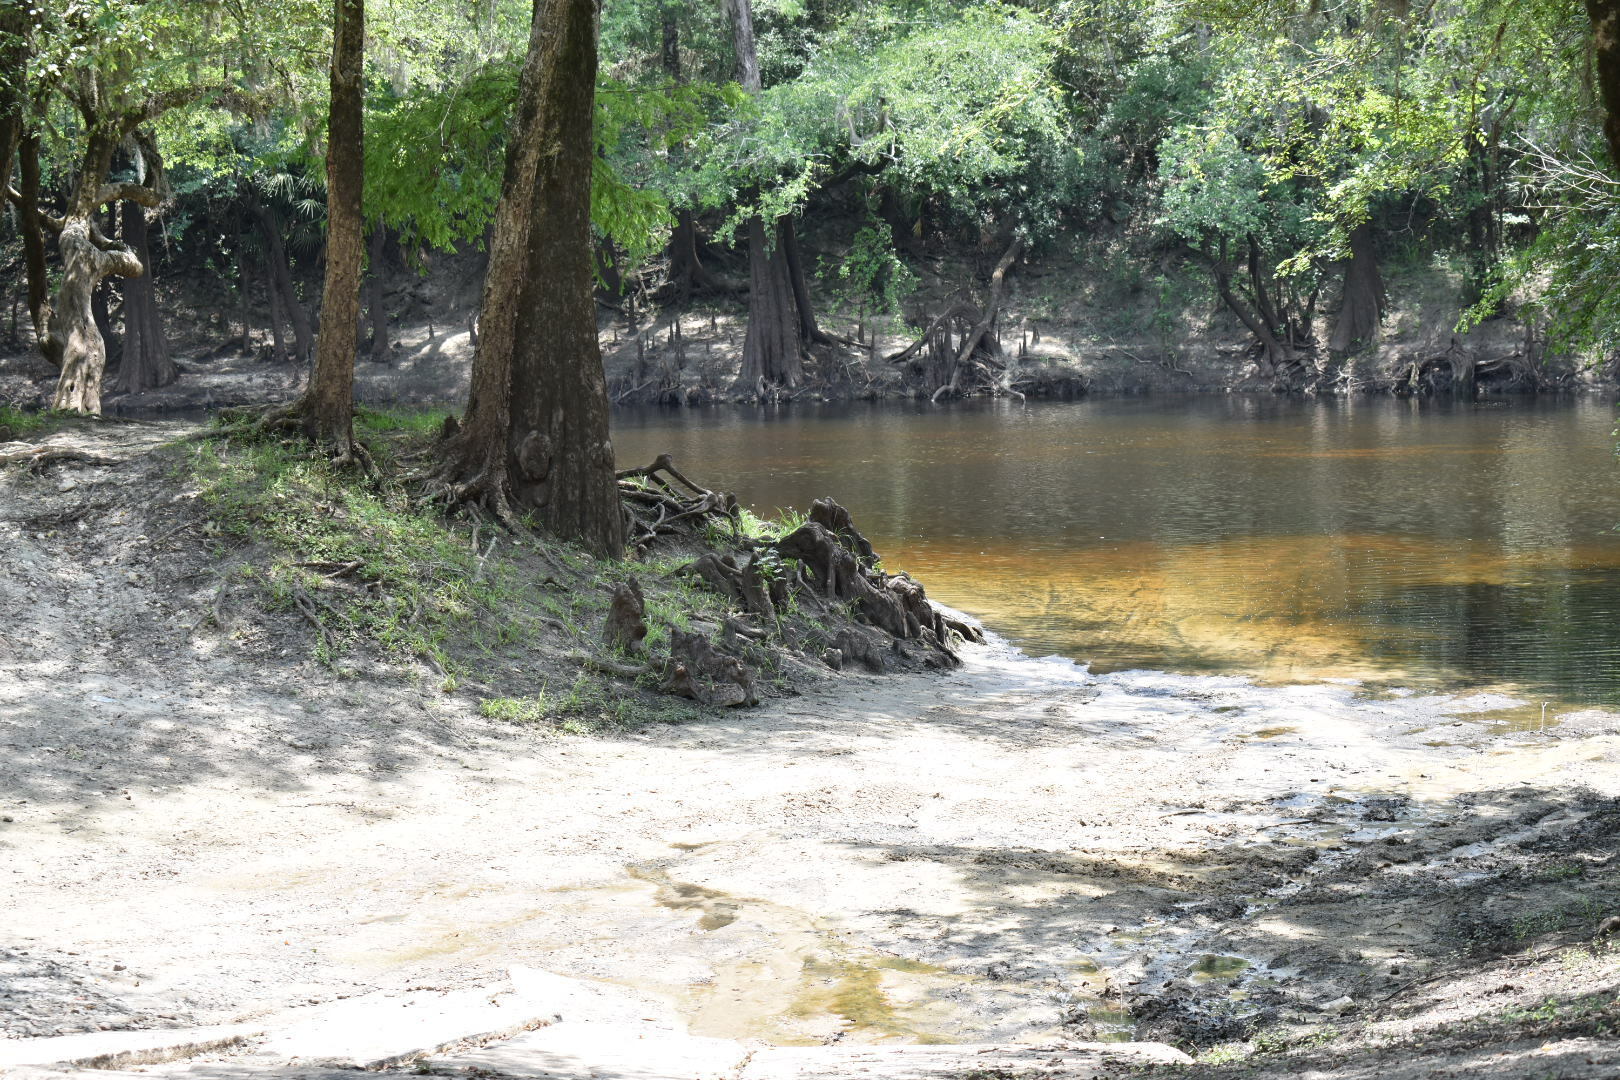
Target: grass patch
x=589 y=706
x=357 y=557
x=18 y=423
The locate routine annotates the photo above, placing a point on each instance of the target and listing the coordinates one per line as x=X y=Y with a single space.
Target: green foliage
x=872 y=276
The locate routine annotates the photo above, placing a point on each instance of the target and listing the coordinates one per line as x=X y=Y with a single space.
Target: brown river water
x=1423 y=544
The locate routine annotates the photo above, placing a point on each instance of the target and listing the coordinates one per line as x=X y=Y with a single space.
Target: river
x=1403 y=543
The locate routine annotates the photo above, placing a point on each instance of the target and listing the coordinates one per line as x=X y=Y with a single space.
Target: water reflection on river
x=1382 y=539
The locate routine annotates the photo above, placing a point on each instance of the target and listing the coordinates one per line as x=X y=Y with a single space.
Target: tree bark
x=33 y=235
x=773 y=354
x=73 y=323
x=281 y=280
x=562 y=457
x=87 y=257
x=376 y=294
x=535 y=434
x=1362 y=307
x=328 y=403
x=278 y=342
x=145 y=362
x=1605 y=16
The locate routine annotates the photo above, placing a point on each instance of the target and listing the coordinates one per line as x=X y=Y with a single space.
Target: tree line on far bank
x=1280 y=149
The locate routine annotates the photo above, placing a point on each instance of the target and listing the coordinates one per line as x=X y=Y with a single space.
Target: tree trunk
x=771 y=348
x=327 y=406
x=1362 y=306
x=100 y=311
x=33 y=235
x=242 y=290
x=536 y=433
x=777 y=327
x=145 y=362
x=1605 y=16
x=562 y=463
x=281 y=280
x=87 y=257
x=376 y=295
x=73 y=323
x=278 y=341
x=788 y=237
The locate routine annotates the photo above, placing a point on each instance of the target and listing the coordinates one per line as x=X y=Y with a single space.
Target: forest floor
x=202 y=822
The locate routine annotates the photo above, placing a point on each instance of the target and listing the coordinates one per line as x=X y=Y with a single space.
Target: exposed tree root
x=37 y=455
x=958 y=354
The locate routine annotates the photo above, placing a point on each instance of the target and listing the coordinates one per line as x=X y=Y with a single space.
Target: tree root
x=37 y=455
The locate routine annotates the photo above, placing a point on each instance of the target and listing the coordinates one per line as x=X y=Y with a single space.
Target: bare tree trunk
x=101 y=313
x=278 y=342
x=771 y=347
x=87 y=257
x=145 y=362
x=563 y=460
x=788 y=237
x=1362 y=306
x=328 y=404
x=773 y=354
x=281 y=281
x=242 y=289
x=1605 y=16
x=536 y=433
x=73 y=324
x=33 y=235
x=376 y=294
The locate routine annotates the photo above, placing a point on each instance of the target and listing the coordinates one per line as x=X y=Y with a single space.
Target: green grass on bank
x=17 y=424
x=363 y=564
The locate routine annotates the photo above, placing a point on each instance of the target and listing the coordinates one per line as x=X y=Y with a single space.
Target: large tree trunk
x=327 y=407
x=536 y=429
x=73 y=323
x=1362 y=307
x=376 y=294
x=145 y=362
x=87 y=257
x=33 y=235
x=1605 y=16
x=779 y=315
x=772 y=355
x=563 y=461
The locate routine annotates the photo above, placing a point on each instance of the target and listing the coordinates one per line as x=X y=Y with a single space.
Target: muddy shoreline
x=198 y=830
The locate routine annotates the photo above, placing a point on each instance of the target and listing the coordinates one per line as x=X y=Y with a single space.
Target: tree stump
x=626 y=621
x=699 y=670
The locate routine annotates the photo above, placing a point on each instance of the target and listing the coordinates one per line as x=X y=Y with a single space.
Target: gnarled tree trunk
x=144 y=361
x=73 y=324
